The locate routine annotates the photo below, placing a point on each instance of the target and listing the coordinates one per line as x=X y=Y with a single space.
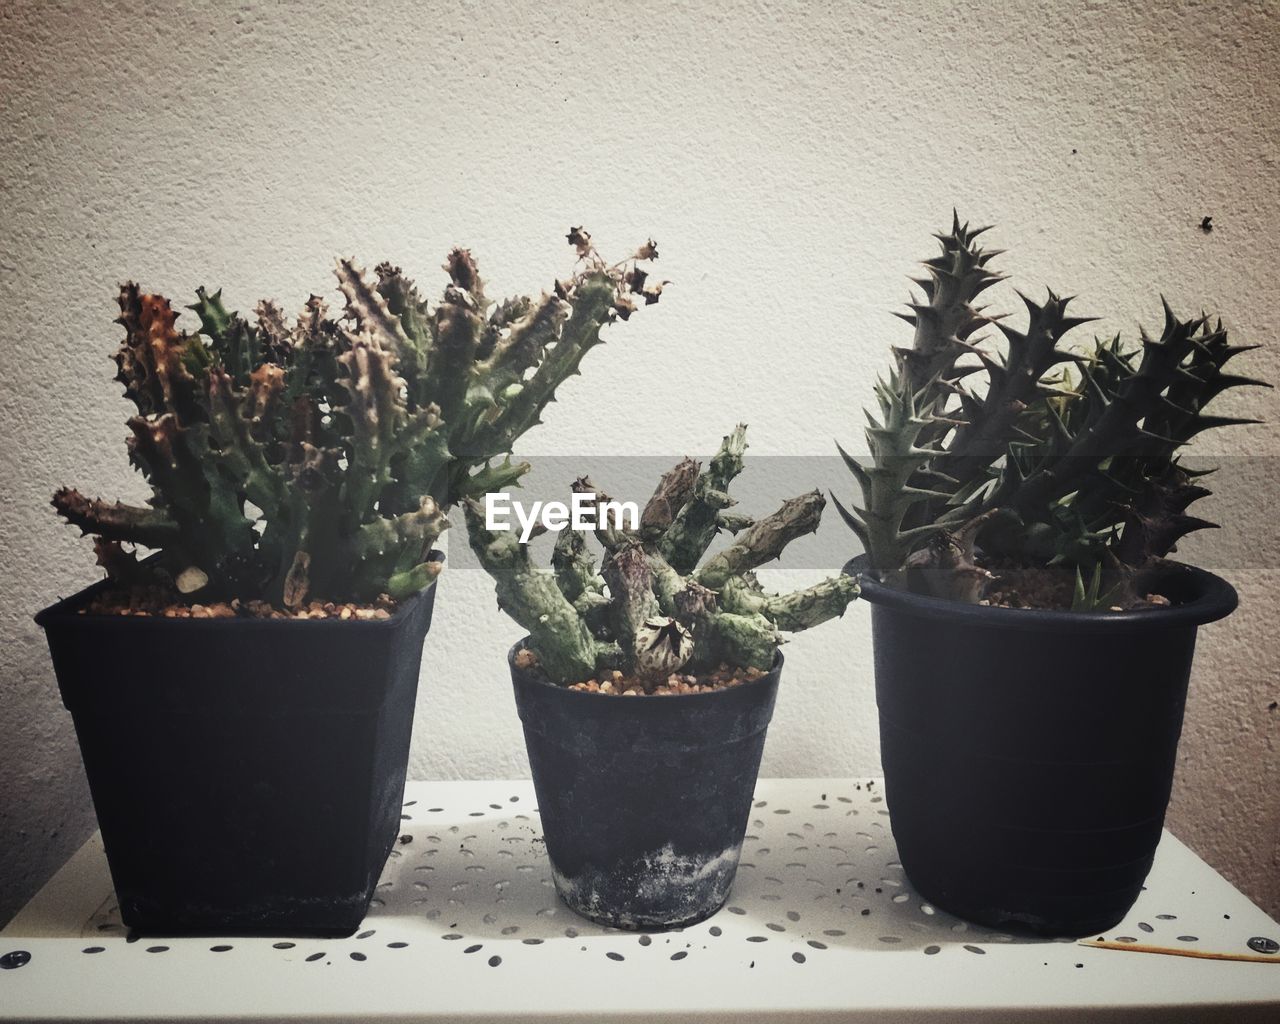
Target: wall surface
x=791 y=159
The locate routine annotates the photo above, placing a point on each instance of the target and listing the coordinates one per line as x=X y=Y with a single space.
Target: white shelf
x=821 y=925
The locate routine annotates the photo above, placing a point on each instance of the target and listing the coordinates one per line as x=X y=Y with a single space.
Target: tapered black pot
x=1029 y=755
x=247 y=774
x=644 y=800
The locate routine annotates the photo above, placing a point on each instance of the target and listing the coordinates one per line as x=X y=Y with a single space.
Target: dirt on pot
x=615 y=684
x=160 y=601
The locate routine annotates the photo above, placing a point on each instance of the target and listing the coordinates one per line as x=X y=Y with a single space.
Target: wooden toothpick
x=1200 y=954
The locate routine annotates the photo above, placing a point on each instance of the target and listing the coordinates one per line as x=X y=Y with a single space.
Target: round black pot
x=248 y=774
x=1029 y=755
x=644 y=800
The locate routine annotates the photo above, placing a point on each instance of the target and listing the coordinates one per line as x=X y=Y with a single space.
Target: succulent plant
x=1052 y=456
x=315 y=459
x=656 y=604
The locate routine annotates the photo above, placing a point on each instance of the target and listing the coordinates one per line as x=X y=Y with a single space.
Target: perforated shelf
x=821 y=924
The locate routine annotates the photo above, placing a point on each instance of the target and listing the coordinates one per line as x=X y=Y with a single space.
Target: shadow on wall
x=45 y=810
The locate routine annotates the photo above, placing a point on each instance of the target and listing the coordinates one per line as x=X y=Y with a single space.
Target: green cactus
x=651 y=609
x=1041 y=462
x=316 y=460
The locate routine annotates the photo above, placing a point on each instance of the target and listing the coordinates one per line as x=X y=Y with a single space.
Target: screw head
x=12 y=960
x=1261 y=944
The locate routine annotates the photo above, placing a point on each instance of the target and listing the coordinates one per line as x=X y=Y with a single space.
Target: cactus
x=1057 y=456
x=650 y=609
x=316 y=459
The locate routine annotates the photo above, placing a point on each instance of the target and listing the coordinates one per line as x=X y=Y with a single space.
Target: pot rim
x=769 y=678
x=1214 y=598
x=66 y=610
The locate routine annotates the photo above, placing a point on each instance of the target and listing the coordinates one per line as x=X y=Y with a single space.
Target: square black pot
x=248 y=774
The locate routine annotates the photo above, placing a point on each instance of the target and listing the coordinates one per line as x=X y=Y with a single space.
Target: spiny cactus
x=649 y=609
x=1042 y=462
x=315 y=459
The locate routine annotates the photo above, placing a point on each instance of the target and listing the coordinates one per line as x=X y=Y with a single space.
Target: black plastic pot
x=1029 y=755
x=644 y=800
x=248 y=774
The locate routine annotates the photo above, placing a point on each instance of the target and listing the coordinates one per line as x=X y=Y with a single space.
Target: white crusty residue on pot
x=661 y=888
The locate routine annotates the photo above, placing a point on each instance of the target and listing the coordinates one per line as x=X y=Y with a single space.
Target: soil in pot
x=644 y=802
x=1029 y=755
x=247 y=773
x=616 y=684
x=1051 y=587
x=162 y=601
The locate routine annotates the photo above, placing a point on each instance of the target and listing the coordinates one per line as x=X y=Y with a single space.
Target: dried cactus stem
x=566 y=649
x=122 y=567
x=747 y=640
x=764 y=540
x=630 y=580
x=574 y=567
x=611 y=534
x=733 y=522
x=113 y=521
x=673 y=491
x=801 y=609
x=696 y=524
x=948 y=566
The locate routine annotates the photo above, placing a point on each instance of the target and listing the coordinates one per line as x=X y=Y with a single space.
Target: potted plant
x=1033 y=643
x=646 y=684
x=243 y=696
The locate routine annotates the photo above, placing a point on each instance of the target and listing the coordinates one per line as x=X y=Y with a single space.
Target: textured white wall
x=790 y=158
